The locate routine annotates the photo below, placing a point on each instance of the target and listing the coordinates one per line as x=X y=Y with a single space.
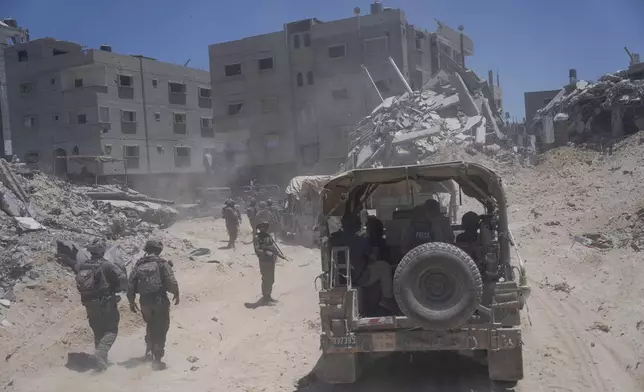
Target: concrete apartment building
x=286 y=101
x=155 y=118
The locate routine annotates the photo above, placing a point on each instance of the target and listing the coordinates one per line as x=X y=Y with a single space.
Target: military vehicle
x=463 y=297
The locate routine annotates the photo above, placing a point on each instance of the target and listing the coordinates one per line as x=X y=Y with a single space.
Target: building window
x=125 y=80
x=296 y=41
x=207 y=129
x=52 y=81
x=155 y=83
x=104 y=114
x=23 y=55
x=265 y=63
x=75 y=150
x=206 y=122
x=235 y=108
x=272 y=141
x=182 y=156
x=382 y=86
x=204 y=93
x=131 y=156
x=233 y=69
x=58 y=52
x=270 y=104
x=309 y=77
x=300 y=79
x=177 y=88
x=307 y=40
x=375 y=46
x=419 y=43
x=340 y=94
x=82 y=118
x=55 y=117
x=157 y=116
x=31 y=122
x=128 y=116
x=337 y=51
x=160 y=149
x=26 y=88
x=179 y=118
x=108 y=149
x=32 y=157
x=78 y=82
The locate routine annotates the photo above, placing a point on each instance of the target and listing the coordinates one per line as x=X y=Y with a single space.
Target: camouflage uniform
x=264 y=214
x=155 y=306
x=251 y=212
x=267 y=253
x=233 y=218
x=101 y=303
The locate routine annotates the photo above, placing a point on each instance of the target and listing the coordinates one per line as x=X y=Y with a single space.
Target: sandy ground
x=274 y=348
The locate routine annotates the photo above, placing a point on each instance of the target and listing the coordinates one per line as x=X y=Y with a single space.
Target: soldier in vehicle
x=470 y=222
x=251 y=213
x=98 y=282
x=429 y=224
x=151 y=278
x=232 y=216
x=267 y=252
x=366 y=266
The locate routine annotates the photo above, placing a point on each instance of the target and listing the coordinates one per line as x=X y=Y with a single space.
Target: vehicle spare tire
x=438 y=286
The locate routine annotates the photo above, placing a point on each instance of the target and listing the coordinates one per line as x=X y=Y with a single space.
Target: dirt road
x=273 y=348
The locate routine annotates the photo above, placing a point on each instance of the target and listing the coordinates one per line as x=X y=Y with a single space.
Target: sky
x=531 y=43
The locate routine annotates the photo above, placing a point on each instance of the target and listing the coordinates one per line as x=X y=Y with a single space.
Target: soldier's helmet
x=262 y=204
x=153 y=246
x=470 y=220
x=269 y=202
x=263 y=225
x=252 y=202
x=97 y=248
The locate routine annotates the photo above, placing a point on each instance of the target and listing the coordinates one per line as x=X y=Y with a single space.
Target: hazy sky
x=532 y=43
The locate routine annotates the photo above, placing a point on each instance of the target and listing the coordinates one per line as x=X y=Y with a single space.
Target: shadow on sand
x=81 y=362
x=134 y=362
x=403 y=372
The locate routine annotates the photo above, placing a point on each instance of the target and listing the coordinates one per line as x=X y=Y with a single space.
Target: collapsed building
x=593 y=112
x=454 y=107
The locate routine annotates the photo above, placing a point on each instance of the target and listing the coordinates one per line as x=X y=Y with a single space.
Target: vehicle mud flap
x=339 y=368
x=506 y=365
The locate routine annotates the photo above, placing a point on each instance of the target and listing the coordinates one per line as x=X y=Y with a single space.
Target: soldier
x=276 y=224
x=267 y=253
x=251 y=212
x=264 y=214
x=233 y=218
x=151 y=278
x=98 y=281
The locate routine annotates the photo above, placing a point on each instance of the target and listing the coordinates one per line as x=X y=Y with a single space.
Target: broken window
x=23 y=55
x=233 y=69
x=55 y=117
x=108 y=149
x=155 y=83
x=383 y=86
x=235 y=108
x=265 y=63
x=75 y=150
x=270 y=104
x=206 y=122
x=26 y=88
x=131 y=156
x=300 y=79
x=340 y=94
x=374 y=46
x=78 y=82
x=157 y=116
x=177 y=88
x=128 y=116
x=182 y=156
x=125 y=80
x=309 y=77
x=82 y=118
x=32 y=157
x=307 y=40
x=31 y=122
x=419 y=43
x=296 y=41
x=204 y=93
x=104 y=114
x=58 y=52
x=179 y=118
x=337 y=51
x=52 y=81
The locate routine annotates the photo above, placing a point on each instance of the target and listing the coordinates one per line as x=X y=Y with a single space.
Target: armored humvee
x=462 y=297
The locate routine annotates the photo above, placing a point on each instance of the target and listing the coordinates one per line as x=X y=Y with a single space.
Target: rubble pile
x=409 y=129
x=38 y=210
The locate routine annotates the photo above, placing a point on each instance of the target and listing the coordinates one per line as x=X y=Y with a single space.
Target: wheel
x=506 y=365
x=438 y=285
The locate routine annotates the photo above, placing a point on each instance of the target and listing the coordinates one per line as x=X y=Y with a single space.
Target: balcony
x=84 y=78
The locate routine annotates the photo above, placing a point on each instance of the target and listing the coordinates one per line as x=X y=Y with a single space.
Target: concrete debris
x=6 y=303
x=411 y=128
x=5 y=323
x=26 y=223
x=192 y=359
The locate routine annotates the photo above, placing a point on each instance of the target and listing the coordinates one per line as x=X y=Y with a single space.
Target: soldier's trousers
x=233 y=231
x=103 y=317
x=267 y=269
x=156 y=314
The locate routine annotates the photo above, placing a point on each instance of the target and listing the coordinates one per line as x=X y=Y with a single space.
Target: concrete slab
x=468 y=106
x=415 y=135
x=487 y=112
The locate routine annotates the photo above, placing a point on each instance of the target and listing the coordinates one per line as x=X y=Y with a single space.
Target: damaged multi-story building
x=285 y=101
x=146 y=119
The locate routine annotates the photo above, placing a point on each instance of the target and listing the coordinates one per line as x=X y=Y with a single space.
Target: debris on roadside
x=599 y=326
x=594 y=240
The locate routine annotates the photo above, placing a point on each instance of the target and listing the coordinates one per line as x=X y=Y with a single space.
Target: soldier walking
x=232 y=216
x=267 y=252
x=151 y=278
x=251 y=213
x=98 y=281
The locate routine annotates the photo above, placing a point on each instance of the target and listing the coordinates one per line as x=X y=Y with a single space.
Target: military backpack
x=148 y=276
